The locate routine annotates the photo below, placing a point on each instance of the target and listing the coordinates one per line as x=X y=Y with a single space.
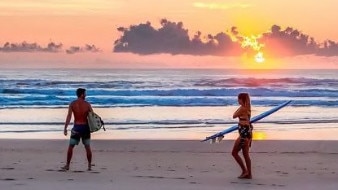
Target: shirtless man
x=80 y=108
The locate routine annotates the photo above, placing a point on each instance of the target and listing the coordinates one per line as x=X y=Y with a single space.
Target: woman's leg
x=247 y=158
x=238 y=159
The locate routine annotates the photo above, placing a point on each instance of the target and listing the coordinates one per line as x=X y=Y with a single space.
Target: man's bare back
x=80 y=109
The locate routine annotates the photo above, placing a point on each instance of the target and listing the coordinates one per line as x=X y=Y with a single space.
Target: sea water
x=166 y=104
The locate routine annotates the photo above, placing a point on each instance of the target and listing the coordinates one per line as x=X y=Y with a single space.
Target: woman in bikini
x=243 y=142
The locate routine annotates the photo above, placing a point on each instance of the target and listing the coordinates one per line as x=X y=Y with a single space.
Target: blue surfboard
x=252 y=120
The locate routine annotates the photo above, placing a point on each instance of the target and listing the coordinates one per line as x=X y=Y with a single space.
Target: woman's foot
x=245 y=176
x=65 y=168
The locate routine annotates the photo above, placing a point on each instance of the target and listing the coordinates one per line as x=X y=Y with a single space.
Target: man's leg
x=69 y=157
x=72 y=143
x=89 y=156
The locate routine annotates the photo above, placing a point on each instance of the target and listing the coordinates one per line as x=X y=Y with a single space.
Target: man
x=80 y=108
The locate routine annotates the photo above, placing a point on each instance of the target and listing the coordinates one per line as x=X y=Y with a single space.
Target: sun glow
x=259 y=135
x=259 y=57
x=252 y=43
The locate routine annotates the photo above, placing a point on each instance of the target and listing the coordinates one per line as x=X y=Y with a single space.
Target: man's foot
x=66 y=167
x=89 y=167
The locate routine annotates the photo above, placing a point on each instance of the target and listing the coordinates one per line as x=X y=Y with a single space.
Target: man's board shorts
x=80 y=131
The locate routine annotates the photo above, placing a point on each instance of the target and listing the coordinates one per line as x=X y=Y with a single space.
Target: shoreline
x=261 y=133
x=174 y=123
x=168 y=164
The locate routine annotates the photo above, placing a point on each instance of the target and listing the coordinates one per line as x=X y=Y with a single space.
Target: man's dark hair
x=80 y=91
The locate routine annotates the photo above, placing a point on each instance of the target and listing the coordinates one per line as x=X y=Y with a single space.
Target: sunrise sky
x=83 y=33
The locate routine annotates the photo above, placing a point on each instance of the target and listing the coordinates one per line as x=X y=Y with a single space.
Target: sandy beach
x=149 y=164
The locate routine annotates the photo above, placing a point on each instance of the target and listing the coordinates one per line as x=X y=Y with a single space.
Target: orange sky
x=79 y=22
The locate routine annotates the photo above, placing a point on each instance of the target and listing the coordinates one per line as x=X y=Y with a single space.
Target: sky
x=245 y=34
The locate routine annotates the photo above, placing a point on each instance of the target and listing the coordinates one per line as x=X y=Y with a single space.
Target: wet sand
x=172 y=164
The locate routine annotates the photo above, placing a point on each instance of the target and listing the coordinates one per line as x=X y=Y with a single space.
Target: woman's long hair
x=245 y=97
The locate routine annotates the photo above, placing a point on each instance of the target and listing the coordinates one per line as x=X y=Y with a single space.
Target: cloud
x=30 y=47
x=86 y=48
x=330 y=48
x=292 y=42
x=51 y=47
x=172 y=38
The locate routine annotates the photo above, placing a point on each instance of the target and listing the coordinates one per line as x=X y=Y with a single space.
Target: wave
x=31 y=127
x=139 y=88
x=207 y=101
x=97 y=94
x=270 y=99
x=181 y=123
x=164 y=81
x=262 y=82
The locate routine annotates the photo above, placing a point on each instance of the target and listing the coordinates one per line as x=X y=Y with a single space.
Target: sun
x=259 y=57
x=253 y=56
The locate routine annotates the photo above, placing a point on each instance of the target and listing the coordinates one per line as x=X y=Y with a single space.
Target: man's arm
x=90 y=107
x=69 y=117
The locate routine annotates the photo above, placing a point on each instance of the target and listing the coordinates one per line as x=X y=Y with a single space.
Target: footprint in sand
x=9 y=179
x=152 y=177
x=8 y=168
x=78 y=171
x=276 y=185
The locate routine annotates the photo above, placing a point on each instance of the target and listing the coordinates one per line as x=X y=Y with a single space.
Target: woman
x=243 y=142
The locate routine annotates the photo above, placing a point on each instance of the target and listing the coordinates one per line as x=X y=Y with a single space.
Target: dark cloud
x=173 y=38
x=51 y=47
x=86 y=48
x=329 y=48
x=288 y=42
x=30 y=47
x=291 y=42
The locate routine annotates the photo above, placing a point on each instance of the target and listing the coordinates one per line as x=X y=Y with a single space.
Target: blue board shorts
x=80 y=132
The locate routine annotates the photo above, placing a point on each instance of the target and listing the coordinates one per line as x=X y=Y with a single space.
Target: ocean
x=167 y=104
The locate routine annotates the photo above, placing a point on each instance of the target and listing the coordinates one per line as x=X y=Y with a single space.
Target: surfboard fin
x=220 y=138
x=213 y=141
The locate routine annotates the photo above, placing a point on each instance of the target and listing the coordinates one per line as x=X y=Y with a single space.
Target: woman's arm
x=238 y=112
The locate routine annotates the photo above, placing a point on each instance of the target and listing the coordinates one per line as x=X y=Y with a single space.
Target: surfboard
x=95 y=122
x=252 y=120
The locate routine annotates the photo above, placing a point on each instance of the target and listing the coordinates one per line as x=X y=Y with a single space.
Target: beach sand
x=173 y=164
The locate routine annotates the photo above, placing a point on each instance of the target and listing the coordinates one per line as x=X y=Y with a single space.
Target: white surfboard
x=252 y=120
x=95 y=122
